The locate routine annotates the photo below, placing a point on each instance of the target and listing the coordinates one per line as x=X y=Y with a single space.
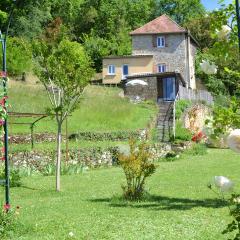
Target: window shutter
x=155 y=68
x=154 y=41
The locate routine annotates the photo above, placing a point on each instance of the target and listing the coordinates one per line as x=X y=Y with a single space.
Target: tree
x=180 y=10
x=224 y=53
x=201 y=29
x=19 y=56
x=64 y=70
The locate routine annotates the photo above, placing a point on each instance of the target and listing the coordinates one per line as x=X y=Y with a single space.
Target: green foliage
x=171 y=156
x=182 y=134
x=197 y=149
x=105 y=136
x=8 y=221
x=15 y=178
x=137 y=167
x=225 y=117
x=19 y=56
x=181 y=106
x=234 y=226
x=224 y=53
x=201 y=29
x=180 y=10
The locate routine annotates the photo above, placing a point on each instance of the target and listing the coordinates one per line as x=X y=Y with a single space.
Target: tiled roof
x=162 y=24
x=127 y=56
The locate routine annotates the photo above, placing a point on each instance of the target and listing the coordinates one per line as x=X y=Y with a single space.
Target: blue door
x=169 y=89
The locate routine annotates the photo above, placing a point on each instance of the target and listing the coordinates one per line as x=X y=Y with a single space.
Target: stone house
x=163 y=55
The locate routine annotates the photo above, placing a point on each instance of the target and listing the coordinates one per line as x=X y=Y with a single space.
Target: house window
x=125 y=71
x=161 y=68
x=161 y=42
x=111 y=69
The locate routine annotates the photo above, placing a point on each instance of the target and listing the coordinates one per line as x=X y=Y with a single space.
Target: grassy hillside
x=101 y=109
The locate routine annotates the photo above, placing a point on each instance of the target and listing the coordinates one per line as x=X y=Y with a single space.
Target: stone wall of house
x=143 y=92
x=193 y=51
x=174 y=55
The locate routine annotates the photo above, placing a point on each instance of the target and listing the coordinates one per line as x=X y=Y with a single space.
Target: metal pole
x=238 y=21
x=4 y=69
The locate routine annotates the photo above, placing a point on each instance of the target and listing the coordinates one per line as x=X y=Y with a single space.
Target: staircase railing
x=174 y=115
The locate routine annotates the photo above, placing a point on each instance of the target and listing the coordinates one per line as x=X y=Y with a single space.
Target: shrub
x=197 y=149
x=182 y=133
x=7 y=220
x=137 y=167
x=181 y=105
x=171 y=156
x=199 y=137
x=15 y=178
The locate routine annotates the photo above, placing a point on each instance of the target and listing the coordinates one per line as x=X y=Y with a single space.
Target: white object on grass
x=223 y=183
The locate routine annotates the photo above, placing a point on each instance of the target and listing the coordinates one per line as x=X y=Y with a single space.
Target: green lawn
x=181 y=207
x=101 y=109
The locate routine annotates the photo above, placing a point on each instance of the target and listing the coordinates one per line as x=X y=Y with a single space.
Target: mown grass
x=101 y=109
x=180 y=207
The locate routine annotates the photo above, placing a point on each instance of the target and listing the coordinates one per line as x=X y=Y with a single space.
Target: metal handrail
x=174 y=115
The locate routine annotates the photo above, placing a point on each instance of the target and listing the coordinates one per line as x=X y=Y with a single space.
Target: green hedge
x=105 y=136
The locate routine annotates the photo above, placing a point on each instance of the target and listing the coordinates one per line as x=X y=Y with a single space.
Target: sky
x=212 y=4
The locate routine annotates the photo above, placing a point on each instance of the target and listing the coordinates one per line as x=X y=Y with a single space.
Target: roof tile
x=162 y=24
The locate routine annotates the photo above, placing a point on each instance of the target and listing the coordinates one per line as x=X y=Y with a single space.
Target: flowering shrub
x=8 y=217
x=3 y=116
x=199 y=137
x=137 y=166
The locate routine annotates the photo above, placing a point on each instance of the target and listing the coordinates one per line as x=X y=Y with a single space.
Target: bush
x=197 y=149
x=105 y=136
x=182 y=133
x=171 y=156
x=181 y=105
x=137 y=167
x=15 y=178
x=7 y=220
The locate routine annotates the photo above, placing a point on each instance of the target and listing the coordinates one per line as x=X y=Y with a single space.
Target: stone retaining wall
x=37 y=161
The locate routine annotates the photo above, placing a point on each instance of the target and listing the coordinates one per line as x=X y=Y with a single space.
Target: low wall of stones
x=38 y=161
x=86 y=136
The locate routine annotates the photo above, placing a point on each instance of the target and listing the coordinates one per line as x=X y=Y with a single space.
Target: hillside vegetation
x=101 y=109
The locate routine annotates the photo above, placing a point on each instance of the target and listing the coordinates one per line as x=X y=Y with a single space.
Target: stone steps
x=164 y=122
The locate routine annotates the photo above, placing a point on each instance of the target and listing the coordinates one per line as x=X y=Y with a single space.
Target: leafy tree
x=201 y=29
x=224 y=53
x=19 y=56
x=64 y=70
x=180 y=10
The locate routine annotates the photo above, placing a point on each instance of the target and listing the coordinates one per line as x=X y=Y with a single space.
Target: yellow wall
x=136 y=65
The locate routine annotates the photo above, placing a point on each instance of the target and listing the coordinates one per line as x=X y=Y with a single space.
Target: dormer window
x=111 y=69
x=161 y=42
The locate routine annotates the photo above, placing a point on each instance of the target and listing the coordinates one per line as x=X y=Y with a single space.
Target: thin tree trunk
x=58 y=162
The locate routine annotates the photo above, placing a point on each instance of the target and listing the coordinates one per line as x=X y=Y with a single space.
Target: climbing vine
x=3 y=117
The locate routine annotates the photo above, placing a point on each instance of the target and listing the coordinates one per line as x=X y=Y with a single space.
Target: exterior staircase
x=165 y=121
